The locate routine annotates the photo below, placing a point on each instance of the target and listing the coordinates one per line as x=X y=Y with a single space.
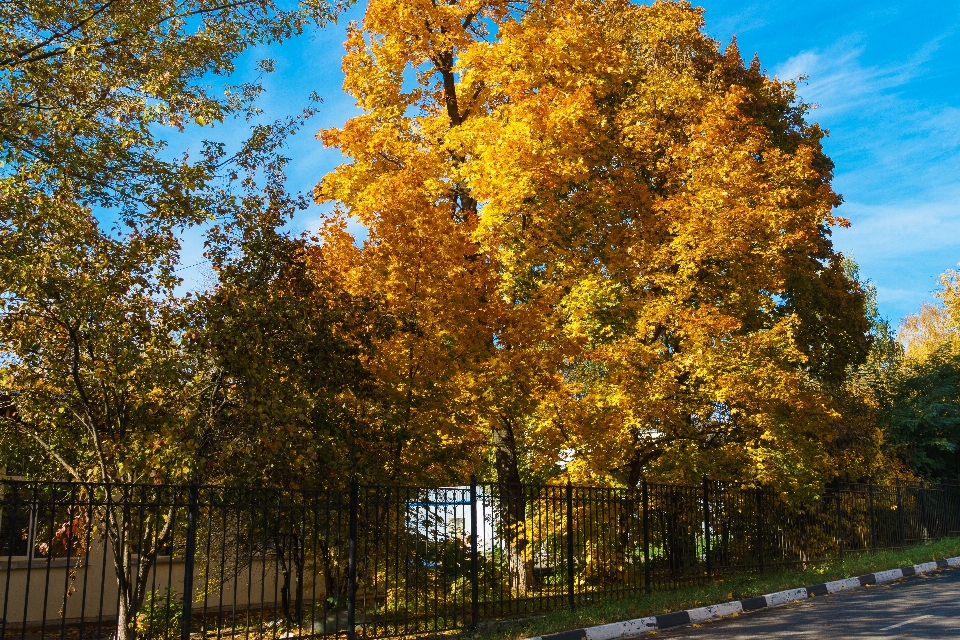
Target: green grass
x=734 y=588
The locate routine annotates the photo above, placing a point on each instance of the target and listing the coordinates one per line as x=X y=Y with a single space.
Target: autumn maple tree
x=606 y=237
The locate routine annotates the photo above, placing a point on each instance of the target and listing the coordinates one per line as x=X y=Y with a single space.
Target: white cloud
x=903 y=247
x=902 y=230
x=897 y=158
x=838 y=82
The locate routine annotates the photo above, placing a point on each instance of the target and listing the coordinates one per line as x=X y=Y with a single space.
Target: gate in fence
x=142 y=562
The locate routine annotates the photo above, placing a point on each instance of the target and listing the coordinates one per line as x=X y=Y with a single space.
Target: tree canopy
x=608 y=238
x=921 y=394
x=597 y=246
x=95 y=340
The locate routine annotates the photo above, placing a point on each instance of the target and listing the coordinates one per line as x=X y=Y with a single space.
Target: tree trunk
x=629 y=509
x=512 y=508
x=133 y=575
x=125 y=629
x=127 y=604
x=291 y=557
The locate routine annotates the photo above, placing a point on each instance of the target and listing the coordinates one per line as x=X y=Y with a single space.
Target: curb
x=631 y=628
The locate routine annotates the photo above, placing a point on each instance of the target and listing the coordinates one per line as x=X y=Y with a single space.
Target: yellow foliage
x=599 y=230
x=935 y=326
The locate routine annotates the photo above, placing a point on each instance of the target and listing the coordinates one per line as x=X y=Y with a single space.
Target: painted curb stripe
x=783 y=597
x=843 y=585
x=752 y=604
x=888 y=576
x=631 y=628
x=618 y=630
x=716 y=611
x=675 y=619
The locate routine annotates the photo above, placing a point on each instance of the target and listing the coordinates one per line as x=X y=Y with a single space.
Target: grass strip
x=720 y=591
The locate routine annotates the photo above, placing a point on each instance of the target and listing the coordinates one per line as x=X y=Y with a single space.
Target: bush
x=161 y=615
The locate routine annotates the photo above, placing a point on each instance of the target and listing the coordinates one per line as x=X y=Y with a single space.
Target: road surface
x=924 y=606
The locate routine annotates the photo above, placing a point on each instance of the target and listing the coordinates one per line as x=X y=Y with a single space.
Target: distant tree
x=929 y=330
x=861 y=445
x=921 y=394
x=923 y=414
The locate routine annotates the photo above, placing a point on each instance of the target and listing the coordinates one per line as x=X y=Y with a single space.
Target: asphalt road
x=924 y=606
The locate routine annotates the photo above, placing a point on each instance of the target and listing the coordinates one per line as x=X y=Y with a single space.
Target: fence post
x=873 y=520
x=706 y=526
x=570 y=586
x=903 y=533
x=190 y=553
x=474 y=558
x=943 y=509
x=646 y=537
x=923 y=511
x=13 y=528
x=760 y=526
x=949 y=504
x=840 y=521
x=352 y=563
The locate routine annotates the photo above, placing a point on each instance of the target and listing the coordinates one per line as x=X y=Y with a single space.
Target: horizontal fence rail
x=141 y=562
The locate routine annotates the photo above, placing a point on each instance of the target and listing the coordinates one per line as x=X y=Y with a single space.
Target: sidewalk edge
x=633 y=628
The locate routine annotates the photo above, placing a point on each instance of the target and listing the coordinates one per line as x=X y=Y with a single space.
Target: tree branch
x=18 y=58
x=22 y=428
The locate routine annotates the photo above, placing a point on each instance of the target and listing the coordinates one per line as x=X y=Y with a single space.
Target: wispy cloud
x=897 y=163
x=745 y=20
x=838 y=81
x=904 y=230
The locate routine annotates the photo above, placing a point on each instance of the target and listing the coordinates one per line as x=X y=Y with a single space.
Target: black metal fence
x=139 y=561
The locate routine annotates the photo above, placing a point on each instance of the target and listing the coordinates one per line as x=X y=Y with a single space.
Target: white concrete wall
x=34 y=590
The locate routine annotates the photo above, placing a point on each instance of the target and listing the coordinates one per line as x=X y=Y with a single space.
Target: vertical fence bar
x=923 y=511
x=803 y=517
x=760 y=527
x=900 y=524
x=840 y=522
x=31 y=533
x=706 y=527
x=873 y=520
x=13 y=524
x=945 y=520
x=474 y=556
x=947 y=508
x=352 y=563
x=188 y=562
x=646 y=537
x=570 y=583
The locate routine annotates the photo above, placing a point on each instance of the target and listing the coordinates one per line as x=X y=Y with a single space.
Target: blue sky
x=885 y=77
